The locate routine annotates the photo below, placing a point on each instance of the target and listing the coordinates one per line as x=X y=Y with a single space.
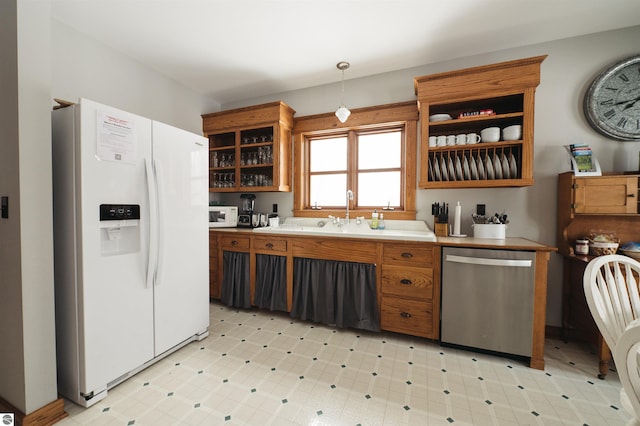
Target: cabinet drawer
x=270 y=244
x=407 y=281
x=407 y=316
x=334 y=249
x=408 y=255
x=234 y=243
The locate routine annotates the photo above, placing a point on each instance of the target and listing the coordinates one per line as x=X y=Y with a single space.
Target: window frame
x=383 y=117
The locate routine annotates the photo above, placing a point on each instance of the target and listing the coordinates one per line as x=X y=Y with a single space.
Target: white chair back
x=627 y=364
x=611 y=290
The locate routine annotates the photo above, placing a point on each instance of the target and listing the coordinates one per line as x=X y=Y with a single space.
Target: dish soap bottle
x=374 y=219
x=381 y=221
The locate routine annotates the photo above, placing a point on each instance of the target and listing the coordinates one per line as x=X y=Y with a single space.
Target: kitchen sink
x=411 y=230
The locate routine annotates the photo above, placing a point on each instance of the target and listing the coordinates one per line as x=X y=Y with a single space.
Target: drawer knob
x=405 y=314
x=405 y=281
x=234 y=242
x=269 y=245
x=631 y=195
x=407 y=255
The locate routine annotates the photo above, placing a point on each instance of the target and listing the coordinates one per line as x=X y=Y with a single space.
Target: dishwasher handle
x=488 y=261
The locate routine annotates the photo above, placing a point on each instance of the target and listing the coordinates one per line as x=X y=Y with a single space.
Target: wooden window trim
x=403 y=113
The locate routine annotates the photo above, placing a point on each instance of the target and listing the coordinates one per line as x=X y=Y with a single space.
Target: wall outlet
x=275 y=207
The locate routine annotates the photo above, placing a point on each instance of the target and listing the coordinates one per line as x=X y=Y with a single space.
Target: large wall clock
x=612 y=102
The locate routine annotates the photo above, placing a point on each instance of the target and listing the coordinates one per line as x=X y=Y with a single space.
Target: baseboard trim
x=43 y=416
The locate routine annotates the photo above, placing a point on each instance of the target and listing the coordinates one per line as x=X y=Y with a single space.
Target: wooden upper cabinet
x=588 y=204
x=606 y=195
x=508 y=90
x=250 y=148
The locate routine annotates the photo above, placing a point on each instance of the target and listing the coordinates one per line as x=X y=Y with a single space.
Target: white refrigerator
x=131 y=245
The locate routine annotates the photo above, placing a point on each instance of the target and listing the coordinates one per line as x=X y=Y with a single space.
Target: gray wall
x=566 y=73
x=27 y=351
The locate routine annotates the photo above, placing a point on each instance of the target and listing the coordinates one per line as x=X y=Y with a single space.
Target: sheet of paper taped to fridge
x=116 y=139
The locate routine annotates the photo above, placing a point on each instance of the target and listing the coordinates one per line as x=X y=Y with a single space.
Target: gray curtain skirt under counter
x=271 y=282
x=236 y=290
x=336 y=293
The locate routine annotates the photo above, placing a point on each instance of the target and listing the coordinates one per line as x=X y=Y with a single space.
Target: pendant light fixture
x=343 y=112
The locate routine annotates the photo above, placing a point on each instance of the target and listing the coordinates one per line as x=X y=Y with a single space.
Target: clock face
x=612 y=103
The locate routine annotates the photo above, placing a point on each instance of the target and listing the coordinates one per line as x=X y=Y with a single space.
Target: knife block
x=440 y=229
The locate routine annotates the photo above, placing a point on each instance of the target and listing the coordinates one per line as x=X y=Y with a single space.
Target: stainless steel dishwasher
x=487 y=299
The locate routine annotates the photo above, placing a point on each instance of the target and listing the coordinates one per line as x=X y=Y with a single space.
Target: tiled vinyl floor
x=263 y=368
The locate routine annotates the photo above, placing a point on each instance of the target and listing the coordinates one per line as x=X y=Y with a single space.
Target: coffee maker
x=246 y=216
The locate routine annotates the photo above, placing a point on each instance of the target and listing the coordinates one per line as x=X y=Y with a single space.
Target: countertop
x=512 y=243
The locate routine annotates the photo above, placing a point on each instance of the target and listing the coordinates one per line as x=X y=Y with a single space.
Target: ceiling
x=230 y=50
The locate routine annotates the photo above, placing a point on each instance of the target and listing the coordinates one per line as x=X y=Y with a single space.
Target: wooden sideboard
x=587 y=204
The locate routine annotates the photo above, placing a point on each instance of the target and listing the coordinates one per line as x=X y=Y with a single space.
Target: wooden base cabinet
x=407 y=273
x=410 y=290
x=214 y=282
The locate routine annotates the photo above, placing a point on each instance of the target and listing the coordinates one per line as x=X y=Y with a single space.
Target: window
x=373 y=154
x=376 y=175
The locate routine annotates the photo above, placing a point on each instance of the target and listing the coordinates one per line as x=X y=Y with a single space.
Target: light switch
x=4 y=207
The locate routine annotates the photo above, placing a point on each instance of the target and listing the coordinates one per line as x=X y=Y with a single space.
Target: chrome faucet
x=349 y=198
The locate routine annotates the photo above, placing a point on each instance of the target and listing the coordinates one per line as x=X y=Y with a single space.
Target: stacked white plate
x=439 y=117
x=460 y=166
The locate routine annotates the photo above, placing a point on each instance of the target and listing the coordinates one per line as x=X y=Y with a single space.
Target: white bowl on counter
x=495 y=231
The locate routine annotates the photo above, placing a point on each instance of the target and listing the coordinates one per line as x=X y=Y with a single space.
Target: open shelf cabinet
x=497 y=95
x=250 y=148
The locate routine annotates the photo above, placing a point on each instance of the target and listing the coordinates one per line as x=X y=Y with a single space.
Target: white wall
x=82 y=67
x=566 y=73
x=42 y=60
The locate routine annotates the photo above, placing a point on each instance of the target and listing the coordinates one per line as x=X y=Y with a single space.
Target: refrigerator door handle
x=158 y=171
x=487 y=261
x=152 y=262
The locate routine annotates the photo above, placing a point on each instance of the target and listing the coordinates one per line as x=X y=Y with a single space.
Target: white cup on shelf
x=461 y=139
x=433 y=141
x=441 y=141
x=473 y=138
x=451 y=140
